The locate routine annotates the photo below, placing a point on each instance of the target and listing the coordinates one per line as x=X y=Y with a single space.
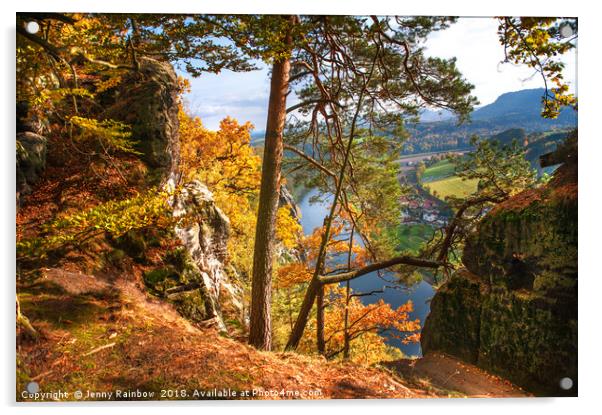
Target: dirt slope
x=102 y=335
x=445 y=373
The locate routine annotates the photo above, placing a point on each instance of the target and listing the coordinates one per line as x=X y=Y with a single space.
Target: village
x=421 y=208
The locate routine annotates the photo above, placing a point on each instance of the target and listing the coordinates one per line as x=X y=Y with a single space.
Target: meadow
x=440 y=180
x=412 y=237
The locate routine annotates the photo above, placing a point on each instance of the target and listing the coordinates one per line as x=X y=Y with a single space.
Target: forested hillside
x=510 y=111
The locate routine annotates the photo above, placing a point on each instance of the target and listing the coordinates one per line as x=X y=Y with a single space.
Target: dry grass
x=155 y=349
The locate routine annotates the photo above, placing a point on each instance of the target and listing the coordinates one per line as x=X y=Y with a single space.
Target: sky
x=473 y=41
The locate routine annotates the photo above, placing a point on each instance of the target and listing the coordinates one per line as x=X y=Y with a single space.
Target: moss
x=179 y=258
x=524 y=326
x=180 y=270
x=525 y=339
x=133 y=243
x=537 y=242
x=161 y=278
x=191 y=305
x=454 y=322
x=61 y=311
x=115 y=257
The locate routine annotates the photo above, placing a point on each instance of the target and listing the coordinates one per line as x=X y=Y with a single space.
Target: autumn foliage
x=366 y=323
x=225 y=161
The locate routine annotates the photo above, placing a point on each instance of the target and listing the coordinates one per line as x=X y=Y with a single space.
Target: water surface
x=313 y=215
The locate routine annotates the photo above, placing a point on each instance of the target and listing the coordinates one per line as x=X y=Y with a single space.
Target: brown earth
x=116 y=336
x=103 y=335
x=443 y=372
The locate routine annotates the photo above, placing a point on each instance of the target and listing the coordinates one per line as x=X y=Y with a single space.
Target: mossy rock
x=513 y=311
x=147 y=100
x=533 y=247
x=529 y=339
x=161 y=279
x=179 y=258
x=180 y=270
x=453 y=325
x=134 y=244
x=191 y=305
x=115 y=257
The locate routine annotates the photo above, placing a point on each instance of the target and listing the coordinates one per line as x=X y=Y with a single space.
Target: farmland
x=441 y=169
x=451 y=186
x=440 y=180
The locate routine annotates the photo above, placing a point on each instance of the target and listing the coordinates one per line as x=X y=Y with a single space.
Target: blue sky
x=473 y=41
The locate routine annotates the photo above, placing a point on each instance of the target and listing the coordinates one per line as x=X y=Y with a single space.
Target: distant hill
x=508 y=136
x=513 y=115
x=257 y=138
x=536 y=144
x=510 y=111
x=520 y=106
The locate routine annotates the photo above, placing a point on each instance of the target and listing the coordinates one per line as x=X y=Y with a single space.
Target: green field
x=439 y=170
x=411 y=237
x=451 y=186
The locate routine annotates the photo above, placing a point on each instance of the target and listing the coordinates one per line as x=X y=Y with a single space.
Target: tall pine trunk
x=260 y=334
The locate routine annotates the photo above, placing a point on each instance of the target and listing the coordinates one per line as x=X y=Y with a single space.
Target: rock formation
x=147 y=100
x=201 y=288
x=513 y=309
x=204 y=232
x=31 y=160
x=31 y=151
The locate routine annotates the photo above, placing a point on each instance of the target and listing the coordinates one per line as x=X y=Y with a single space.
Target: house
x=429 y=217
x=428 y=204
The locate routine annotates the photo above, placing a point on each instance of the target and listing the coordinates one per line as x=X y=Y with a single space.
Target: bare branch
x=405 y=260
x=311 y=160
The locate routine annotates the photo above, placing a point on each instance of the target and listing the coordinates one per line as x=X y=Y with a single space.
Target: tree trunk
x=260 y=334
x=303 y=316
x=320 y=321
x=315 y=283
x=24 y=321
x=347 y=339
x=346 y=327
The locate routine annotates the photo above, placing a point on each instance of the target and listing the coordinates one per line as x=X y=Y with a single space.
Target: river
x=312 y=216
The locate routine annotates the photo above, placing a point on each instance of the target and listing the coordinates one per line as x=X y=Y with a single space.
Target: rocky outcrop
x=286 y=199
x=31 y=150
x=204 y=232
x=31 y=160
x=196 y=277
x=200 y=285
x=289 y=254
x=513 y=309
x=147 y=101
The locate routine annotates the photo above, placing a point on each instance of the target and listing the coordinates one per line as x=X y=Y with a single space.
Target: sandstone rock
x=147 y=101
x=513 y=310
x=31 y=160
x=286 y=199
x=204 y=233
x=454 y=322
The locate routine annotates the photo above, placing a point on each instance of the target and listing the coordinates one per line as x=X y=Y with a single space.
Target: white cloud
x=473 y=41
x=242 y=95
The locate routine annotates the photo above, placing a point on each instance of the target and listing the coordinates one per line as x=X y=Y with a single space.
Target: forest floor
x=107 y=334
